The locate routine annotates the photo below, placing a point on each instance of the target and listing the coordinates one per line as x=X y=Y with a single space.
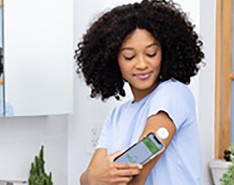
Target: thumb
x=114 y=155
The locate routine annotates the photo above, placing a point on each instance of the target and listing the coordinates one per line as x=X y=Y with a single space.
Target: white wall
x=20 y=141
x=21 y=137
x=207 y=84
x=90 y=114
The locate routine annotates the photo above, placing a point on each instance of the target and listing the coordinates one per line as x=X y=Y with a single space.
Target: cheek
x=122 y=66
x=157 y=62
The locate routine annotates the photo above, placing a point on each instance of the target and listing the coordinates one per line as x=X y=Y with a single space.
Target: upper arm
x=154 y=122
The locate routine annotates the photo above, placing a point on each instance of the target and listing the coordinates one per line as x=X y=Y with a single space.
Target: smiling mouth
x=142 y=76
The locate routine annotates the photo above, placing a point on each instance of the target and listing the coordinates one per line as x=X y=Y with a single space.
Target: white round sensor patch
x=162 y=133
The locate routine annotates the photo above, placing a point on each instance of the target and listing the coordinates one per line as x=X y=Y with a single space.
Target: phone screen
x=142 y=151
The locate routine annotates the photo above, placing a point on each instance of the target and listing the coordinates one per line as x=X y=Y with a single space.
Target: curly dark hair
x=97 y=53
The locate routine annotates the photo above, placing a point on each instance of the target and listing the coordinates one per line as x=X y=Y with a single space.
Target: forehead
x=138 y=36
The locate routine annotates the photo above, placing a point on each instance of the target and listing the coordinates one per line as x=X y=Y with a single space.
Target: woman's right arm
x=102 y=170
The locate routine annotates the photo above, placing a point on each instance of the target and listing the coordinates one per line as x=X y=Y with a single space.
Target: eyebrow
x=153 y=44
x=148 y=46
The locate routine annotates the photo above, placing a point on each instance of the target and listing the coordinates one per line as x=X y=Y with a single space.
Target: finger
x=128 y=166
x=121 y=180
x=129 y=172
x=114 y=155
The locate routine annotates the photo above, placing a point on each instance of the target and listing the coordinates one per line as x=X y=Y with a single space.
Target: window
x=224 y=110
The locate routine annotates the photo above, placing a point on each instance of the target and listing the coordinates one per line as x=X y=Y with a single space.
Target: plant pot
x=218 y=168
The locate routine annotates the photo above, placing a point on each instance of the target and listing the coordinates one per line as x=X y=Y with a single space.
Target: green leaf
x=228 y=177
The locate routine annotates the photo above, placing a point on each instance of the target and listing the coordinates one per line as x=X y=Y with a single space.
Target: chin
x=146 y=87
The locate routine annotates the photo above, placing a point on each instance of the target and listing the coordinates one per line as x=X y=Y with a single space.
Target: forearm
x=142 y=177
x=137 y=181
x=102 y=170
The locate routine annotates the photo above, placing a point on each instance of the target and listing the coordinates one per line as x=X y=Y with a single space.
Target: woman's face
x=140 y=61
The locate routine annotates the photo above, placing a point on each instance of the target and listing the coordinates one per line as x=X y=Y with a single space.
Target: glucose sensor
x=162 y=133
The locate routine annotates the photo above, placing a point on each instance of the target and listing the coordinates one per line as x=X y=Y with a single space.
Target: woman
x=153 y=47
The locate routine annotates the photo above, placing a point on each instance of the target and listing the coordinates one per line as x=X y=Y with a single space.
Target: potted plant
x=37 y=175
x=228 y=176
x=223 y=169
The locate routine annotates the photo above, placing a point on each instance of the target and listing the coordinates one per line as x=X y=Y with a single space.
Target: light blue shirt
x=180 y=164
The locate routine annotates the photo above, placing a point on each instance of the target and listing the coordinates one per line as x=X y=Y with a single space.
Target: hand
x=107 y=172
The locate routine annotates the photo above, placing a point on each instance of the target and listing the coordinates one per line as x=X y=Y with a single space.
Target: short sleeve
x=176 y=100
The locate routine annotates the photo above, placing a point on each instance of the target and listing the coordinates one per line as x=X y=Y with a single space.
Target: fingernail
x=140 y=166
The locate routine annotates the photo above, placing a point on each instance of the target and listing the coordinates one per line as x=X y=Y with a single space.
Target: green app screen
x=141 y=152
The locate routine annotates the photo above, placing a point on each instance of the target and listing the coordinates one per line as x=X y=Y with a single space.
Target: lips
x=143 y=76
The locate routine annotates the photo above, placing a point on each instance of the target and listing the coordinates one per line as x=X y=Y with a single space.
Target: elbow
x=82 y=179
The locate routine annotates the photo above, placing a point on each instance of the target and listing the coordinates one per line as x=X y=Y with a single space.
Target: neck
x=140 y=94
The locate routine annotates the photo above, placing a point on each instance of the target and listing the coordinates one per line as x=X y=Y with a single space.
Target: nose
x=141 y=63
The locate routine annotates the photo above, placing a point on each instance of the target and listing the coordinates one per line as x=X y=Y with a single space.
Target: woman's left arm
x=159 y=120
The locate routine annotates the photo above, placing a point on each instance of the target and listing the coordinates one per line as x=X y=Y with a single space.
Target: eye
x=129 y=58
x=151 y=55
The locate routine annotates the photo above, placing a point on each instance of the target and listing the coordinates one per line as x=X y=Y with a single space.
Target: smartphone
x=142 y=151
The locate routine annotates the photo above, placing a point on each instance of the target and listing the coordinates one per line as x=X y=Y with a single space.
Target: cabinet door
x=38 y=56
